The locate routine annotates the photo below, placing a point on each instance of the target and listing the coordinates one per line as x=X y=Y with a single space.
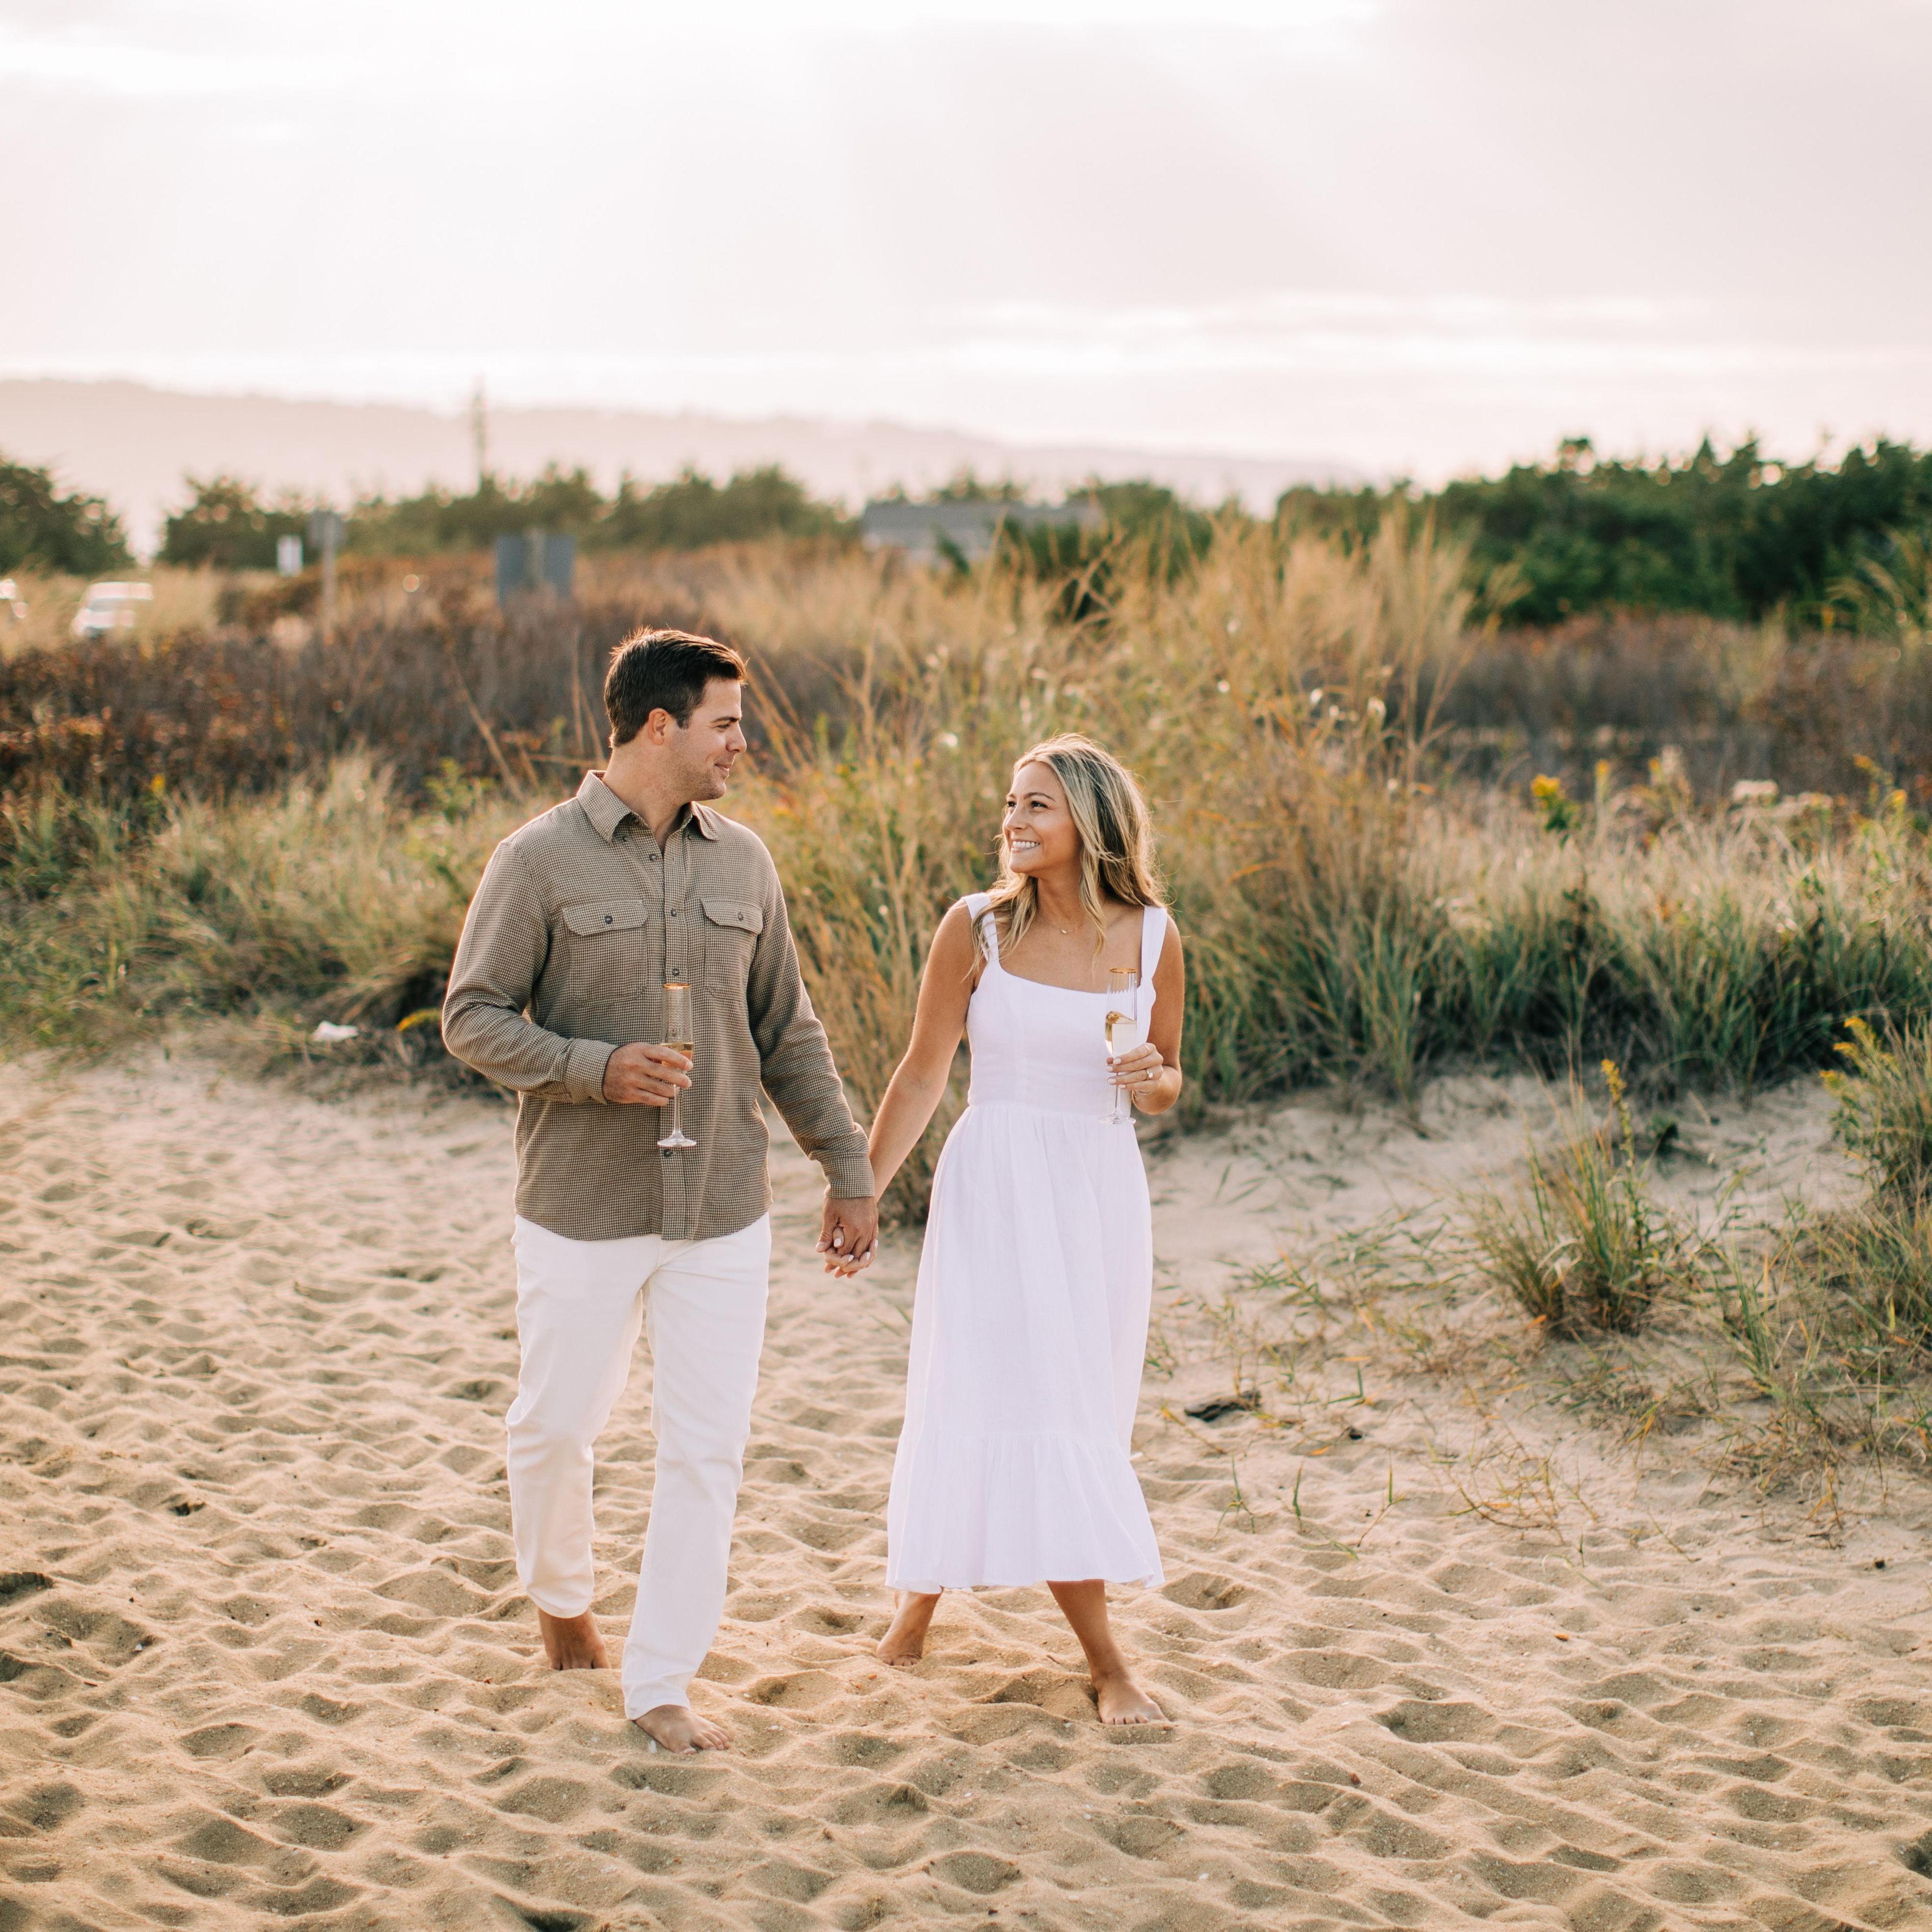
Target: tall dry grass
x=1270 y=703
x=1728 y=701
x=1353 y=908
x=417 y=678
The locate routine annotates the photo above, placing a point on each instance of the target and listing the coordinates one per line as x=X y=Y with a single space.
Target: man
x=558 y=992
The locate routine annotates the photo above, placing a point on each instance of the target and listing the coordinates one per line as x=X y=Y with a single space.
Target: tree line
x=1735 y=535
x=1732 y=534
x=227 y=524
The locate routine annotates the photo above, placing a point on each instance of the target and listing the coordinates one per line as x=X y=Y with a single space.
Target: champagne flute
x=678 y=1037
x=1124 y=1025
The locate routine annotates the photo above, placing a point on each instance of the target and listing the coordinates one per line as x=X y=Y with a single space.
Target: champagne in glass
x=1124 y=1023
x=678 y=1031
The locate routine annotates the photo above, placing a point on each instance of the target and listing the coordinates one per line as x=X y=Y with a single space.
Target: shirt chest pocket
x=603 y=949
x=731 y=929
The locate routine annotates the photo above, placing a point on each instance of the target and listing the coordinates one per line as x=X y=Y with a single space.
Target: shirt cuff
x=584 y=1067
x=848 y=1176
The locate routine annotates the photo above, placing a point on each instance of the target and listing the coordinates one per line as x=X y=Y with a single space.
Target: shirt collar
x=601 y=806
x=606 y=811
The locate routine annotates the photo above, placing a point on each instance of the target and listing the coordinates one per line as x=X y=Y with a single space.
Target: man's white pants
x=579 y=1307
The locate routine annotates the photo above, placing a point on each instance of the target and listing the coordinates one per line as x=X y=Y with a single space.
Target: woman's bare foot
x=1122 y=1701
x=573 y=1643
x=677 y=1727
x=904 y=1643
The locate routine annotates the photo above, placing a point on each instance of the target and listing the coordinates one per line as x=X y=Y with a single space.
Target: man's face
x=708 y=745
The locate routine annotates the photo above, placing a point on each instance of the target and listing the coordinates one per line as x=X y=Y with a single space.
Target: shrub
x=691 y=511
x=225 y=525
x=44 y=528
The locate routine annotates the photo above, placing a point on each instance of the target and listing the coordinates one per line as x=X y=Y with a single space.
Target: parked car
x=110 y=607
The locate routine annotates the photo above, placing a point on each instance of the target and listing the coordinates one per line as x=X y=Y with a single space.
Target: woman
x=1030 y=1321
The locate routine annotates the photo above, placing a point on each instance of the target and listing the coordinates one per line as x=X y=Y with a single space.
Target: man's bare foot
x=1124 y=1702
x=904 y=1643
x=677 y=1727
x=572 y=1643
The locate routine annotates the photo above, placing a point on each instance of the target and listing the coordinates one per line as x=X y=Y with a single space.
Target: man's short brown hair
x=663 y=671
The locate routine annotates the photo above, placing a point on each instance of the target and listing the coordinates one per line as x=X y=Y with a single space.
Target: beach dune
x=263 y=1660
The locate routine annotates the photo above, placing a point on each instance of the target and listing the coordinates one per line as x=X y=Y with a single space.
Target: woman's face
x=1038 y=828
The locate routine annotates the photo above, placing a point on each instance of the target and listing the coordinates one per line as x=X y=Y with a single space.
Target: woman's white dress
x=1029 y=1324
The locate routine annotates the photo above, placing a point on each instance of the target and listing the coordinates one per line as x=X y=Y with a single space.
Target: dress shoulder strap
x=979 y=909
x=1154 y=938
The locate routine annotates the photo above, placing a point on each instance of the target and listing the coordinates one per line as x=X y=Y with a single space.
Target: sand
x=264 y=1662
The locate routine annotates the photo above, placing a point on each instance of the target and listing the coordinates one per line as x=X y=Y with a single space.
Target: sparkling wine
x=1123 y=1026
x=679 y=1033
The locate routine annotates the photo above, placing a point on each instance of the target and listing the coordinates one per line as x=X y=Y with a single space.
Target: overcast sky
x=1418 y=236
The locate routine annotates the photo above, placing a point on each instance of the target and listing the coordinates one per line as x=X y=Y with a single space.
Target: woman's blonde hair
x=1116 y=840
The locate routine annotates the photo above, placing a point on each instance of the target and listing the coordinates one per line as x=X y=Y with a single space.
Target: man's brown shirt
x=579 y=921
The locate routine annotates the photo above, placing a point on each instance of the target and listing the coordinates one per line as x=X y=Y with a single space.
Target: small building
x=925 y=532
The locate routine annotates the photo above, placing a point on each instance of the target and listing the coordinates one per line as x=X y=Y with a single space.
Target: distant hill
x=132 y=444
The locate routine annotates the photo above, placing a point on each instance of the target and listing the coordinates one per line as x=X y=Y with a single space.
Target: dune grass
x=1833 y=1325
x=1827 y=1323
x=1875 y=1259
x=1582 y=1244
x=330 y=899
x=1354 y=910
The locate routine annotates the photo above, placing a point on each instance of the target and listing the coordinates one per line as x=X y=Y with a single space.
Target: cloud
x=1248 y=223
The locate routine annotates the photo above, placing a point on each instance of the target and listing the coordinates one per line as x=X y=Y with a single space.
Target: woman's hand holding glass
x=1136 y=1070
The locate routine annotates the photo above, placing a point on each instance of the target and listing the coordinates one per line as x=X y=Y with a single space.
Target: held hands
x=1139 y=1072
x=643 y=1075
x=848 y=1236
